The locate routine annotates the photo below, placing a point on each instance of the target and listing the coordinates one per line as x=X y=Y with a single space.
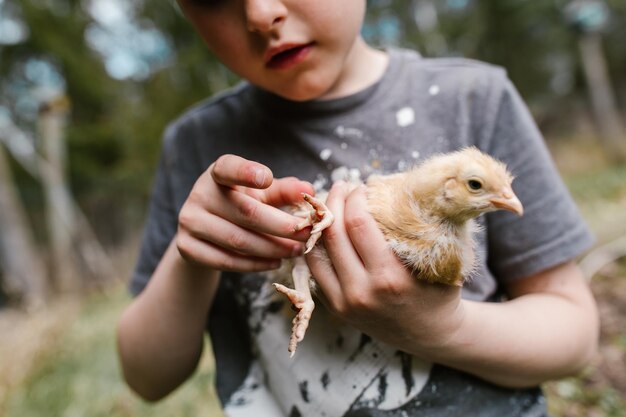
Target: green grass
x=79 y=375
x=582 y=397
x=599 y=188
x=599 y=185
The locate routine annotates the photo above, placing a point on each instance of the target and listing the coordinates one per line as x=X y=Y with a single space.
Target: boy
x=321 y=105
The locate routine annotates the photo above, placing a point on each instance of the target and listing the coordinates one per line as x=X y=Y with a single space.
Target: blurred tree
x=589 y=19
x=530 y=39
x=23 y=276
x=116 y=122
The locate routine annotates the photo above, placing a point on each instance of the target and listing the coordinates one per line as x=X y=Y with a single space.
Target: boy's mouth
x=286 y=56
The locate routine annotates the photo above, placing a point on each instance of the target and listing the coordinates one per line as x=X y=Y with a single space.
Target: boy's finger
x=363 y=230
x=234 y=170
x=234 y=238
x=322 y=269
x=250 y=213
x=206 y=253
x=286 y=191
x=336 y=240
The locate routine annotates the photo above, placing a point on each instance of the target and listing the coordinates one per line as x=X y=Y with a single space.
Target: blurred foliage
x=113 y=135
x=116 y=123
x=76 y=372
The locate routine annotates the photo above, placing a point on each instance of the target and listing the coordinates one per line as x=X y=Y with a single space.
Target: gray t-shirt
x=419 y=107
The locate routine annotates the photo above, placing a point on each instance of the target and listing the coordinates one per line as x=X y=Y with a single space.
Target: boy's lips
x=287 y=55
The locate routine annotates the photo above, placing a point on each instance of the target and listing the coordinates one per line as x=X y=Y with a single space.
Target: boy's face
x=298 y=49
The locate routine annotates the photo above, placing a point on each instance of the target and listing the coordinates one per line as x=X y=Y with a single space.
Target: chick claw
x=305 y=306
x=322 y=219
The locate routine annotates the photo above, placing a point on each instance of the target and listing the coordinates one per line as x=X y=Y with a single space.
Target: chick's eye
x=475 y=185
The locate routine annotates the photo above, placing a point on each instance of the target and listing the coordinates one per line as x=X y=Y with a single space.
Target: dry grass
x=63 y=363
x=28 y=338
x=600 y=191
x=601 y=390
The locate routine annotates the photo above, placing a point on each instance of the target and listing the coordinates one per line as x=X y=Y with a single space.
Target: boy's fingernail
x=275 y=265
x=259 y=177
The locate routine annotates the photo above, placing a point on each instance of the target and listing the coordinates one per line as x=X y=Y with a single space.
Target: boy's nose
x=265 y=15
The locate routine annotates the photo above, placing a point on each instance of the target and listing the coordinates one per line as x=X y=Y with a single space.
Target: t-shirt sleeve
x=161 y=223
x=552 y=230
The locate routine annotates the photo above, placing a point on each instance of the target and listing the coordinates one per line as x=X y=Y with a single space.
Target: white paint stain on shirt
x=434 y=90
x=344 y=132
x=325 y=154
x=320 y=183
x=405 y=117
x=343 y=173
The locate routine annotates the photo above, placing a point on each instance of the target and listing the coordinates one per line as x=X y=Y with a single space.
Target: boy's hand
x=370 y=288
x=231 y=220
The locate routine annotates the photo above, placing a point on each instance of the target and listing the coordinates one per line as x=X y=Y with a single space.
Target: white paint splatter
x=344 y=173
x=415 y=154
x=339 y=174
x=402 y=165
x=344 y=132
x=434 y=90
x=325 y=154
x=320 y=182
x=405 y=117
x=344 y=145
x=354 y=175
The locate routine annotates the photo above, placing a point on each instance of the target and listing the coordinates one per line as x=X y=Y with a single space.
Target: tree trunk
x=23 y=268
x=602 y=99
x=59 y=207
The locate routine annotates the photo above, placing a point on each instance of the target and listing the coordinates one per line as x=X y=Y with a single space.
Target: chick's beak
x=507 y=200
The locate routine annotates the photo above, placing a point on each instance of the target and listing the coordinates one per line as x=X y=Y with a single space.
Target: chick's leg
x=321 y=219
x=301 y=299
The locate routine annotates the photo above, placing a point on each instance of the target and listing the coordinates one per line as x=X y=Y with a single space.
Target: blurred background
x=86 y=89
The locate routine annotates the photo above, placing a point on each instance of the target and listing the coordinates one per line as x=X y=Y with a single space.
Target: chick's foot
x=321 y=219
x=303 y=302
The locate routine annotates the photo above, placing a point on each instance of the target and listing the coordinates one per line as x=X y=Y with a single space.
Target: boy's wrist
x=446 y=337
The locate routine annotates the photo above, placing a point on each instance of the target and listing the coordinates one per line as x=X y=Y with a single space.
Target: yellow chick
x=426 y=215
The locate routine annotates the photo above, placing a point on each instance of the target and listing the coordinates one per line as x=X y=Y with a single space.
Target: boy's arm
x=160 y=335
x=548 y=330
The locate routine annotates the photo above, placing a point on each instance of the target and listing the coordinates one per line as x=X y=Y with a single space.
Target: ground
x=63 y=363
x=601 y=390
